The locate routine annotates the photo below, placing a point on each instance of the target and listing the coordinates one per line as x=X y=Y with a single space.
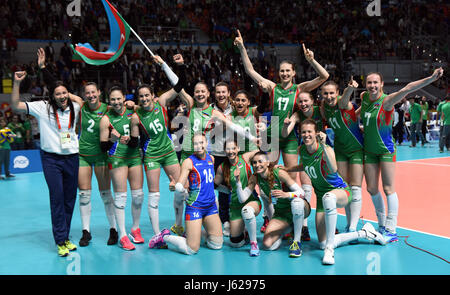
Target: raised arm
x=323 y=74
x=239 y=42
x=16 y=104
x=289 y=124
x=168 y=96
x=328 y=153
x=395 y=97
x=344 y=102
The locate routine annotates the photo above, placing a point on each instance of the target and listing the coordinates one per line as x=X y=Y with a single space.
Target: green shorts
x=370 y=158
x=352 y=157
x=286 y=145
x=283 y=214
x=114 y=162
x=162 y=161
x=94 y=160
x=184 y=156
x=235 y=209
x=320 y=208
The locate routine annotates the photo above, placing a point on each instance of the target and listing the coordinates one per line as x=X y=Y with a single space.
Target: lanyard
x=57 y=120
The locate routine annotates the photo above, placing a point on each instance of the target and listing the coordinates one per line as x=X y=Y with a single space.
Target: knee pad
x=214 y=242
x=153 y=200
x=178 y=197
x=237 y=242
x=298 y=207
x=106 y=197
x=85 y=197
x=275 y=245
x=329 y=203
x=307 y=188
x=356 y=193
x=137 y=197
x=189 y=251
x=120 y=200
x=248 y=212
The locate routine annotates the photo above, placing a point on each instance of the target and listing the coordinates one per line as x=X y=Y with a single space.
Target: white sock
x=391 y=219
x=380 y=210
x=329 y=204
x=307 y=188
x=343 y=238
x=137 y=197
x=355 y=207
x=298 y=214
x=179 y=243
x=248 y=214
x=153 y=211
x=119 y=211
x=108 y=202
x=178 y=205
x=85 y=208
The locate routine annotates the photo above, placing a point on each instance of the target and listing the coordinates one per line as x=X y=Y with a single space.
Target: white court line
x=422 y=232
x=429 y=164
x=422 y=159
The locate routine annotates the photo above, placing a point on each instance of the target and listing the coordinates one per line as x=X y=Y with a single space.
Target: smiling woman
x=59 y=152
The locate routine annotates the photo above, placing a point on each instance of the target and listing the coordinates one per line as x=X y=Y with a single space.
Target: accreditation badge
x=66 y=140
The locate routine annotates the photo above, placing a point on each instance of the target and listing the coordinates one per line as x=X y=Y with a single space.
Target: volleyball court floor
x=422 y=181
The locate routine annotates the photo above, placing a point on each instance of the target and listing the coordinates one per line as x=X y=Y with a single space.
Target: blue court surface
x=27 y=247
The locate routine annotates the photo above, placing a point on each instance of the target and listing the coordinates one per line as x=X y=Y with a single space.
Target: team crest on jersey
x=376 y=105
x=156 y=110
x=130 y=114
x=240 y=165
x=210 y=163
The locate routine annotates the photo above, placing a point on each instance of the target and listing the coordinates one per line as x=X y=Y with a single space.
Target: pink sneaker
x=126 y=244
x=136 y=236
x=158 y=240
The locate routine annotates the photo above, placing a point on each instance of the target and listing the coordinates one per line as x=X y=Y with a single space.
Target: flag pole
x=143 y=43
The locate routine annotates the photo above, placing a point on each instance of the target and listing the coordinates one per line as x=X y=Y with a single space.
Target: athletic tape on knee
x=214 y=242
x=153 y=200
x=329 y=203
x=120 y=200
x=137 y=197
x=106 y=197
x=85 y=197
x=248 y=212
x=178 y=197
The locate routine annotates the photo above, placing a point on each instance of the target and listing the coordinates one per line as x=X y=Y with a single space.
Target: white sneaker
x=328 y=256
x=372 y=234
x=226 y=229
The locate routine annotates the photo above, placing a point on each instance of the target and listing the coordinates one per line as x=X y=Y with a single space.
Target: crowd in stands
x=337 y=31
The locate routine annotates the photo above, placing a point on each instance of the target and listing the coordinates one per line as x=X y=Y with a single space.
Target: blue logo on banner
x=24 y=161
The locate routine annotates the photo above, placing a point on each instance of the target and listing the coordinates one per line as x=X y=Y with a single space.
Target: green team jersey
x=415 y=110
x=18 y=130
x=248 y=122
x=277 y=185
x=377 y=124
x=154 y=123
x=283 y=102
x=425 y=108
x=315 y=166
x=121 y=122
x=89 y=129
x=347 y=135
x=245 y=173
x=316 y=116
x=200 y=120
x=444 y=109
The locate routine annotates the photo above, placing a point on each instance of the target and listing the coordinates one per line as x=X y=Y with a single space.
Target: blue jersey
x=201 y=182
